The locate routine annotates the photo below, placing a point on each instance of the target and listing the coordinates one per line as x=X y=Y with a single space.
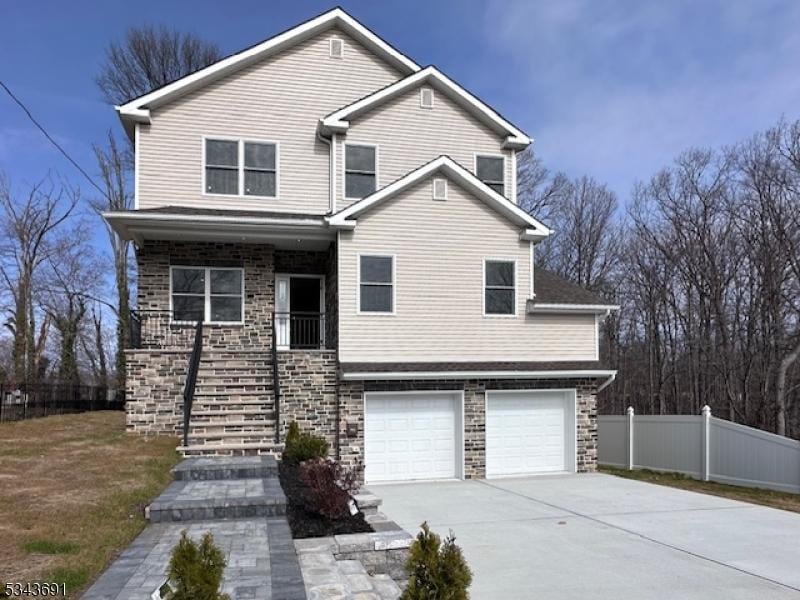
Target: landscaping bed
x=306 y=523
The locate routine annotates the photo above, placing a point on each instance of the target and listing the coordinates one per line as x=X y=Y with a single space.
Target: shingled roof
x=554 y=289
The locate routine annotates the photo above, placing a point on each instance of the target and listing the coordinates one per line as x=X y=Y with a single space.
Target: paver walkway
x=238 y=500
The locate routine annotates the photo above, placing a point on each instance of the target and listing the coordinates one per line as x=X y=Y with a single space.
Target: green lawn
x=782 y=500
x=72 y=493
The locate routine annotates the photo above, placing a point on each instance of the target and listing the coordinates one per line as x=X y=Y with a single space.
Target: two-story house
x=343 y=223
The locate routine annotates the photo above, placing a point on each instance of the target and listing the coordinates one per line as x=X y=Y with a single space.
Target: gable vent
x=337 y=48
x=426 y=98
x=439 y=189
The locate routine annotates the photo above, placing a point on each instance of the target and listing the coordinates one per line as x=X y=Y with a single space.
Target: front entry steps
x=240 y=502
x=220 y=488
x=233 y=412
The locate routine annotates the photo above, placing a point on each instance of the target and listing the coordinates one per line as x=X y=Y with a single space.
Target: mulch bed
x=305 y=523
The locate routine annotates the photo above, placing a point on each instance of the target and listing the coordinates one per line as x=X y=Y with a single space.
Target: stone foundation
x=154 y=391
x=308 y=391
x=351 y=397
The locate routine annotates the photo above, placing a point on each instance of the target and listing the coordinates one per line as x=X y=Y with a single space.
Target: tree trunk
x=780 y=389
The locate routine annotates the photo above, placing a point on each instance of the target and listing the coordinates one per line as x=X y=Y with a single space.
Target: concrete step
x=223 y=467
x=232 y=449
x=229 y=428
x=186 y=501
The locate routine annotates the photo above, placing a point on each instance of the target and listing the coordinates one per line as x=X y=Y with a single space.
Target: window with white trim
x=376 y=284
x=490 y=170
x=499 y=287
x=360 y=171
x=241 y=168
x=213 y=294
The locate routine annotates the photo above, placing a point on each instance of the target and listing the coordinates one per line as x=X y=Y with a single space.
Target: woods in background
x=705 y=263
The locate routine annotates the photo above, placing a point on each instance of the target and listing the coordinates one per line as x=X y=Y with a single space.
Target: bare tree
x=537 y=188
x=28 y=226
x=150 y=57
x=113 y=162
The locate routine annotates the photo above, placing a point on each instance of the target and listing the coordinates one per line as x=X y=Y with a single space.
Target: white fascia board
x=446 y=164
x=135 y=108
x=338 y=122
x=400 y=375
x=542 y=307
x=134 y=217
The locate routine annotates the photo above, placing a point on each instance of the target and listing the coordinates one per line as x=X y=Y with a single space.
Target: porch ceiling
x=283 y=230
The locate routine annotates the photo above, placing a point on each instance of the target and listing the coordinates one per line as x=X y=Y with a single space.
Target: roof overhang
x=290 y=232
x=532 y=229
x=471 y=374
x=534 y=307
x=138 y=109
x=339 y=121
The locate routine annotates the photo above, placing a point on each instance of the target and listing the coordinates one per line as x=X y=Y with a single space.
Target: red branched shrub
x=329 y=486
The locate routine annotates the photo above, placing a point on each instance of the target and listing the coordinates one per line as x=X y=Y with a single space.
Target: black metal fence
x=299 y=330
x=34 y=401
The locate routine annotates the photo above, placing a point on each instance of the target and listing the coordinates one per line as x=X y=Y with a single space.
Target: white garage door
x=529 y=432
x=409 y=436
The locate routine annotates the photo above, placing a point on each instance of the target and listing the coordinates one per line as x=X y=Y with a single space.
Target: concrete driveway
x=599 y=536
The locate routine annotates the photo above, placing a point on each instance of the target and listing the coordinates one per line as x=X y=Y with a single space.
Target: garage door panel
x=527 y=432
x=419 y=432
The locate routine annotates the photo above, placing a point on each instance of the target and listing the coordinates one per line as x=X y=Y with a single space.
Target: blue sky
x=611 y=89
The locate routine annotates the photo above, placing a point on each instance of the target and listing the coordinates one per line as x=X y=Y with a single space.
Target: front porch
x=232 y=340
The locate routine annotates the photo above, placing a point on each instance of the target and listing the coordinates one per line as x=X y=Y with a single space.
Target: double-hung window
x=490 y=170
x=215 y=295
x=376 y=284
x=241 y=168
x=360 y=170
x=499 y=287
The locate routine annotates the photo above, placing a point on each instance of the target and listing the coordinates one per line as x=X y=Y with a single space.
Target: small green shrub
x=436 y=570
x=195 y=570
x=303 y=446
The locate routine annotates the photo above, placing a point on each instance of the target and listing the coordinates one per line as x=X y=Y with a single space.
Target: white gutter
x=608 y=381
x=397 y=375
x=543 y=307
x=135 y=216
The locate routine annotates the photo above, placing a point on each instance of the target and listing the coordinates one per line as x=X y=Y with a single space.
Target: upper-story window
x=490 y=170
x=241 y=168
x=499 y=287
x=376 y=284
x=360 y=170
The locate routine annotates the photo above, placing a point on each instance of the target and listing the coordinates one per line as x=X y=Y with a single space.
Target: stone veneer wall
x=308 y=391
x=351 y=396
x=154 y=259
x=154 y=391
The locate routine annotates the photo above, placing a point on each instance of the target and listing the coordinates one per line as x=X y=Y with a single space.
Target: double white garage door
x=419 y=435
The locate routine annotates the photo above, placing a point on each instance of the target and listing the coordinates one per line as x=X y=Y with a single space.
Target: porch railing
x=299 y=330
x=156 y=330
x=191 y=379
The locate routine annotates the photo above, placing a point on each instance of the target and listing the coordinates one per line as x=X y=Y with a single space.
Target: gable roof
x=339 y=121
x=138 y=109
x=533 y=229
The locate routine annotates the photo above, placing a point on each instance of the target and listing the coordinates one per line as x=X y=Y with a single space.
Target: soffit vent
x=426 y=98
x=337 y=48
x=439 y=188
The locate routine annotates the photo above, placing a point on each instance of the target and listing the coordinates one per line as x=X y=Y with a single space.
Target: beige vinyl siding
x=439 y=249
x=409 y=136
x=279 y=99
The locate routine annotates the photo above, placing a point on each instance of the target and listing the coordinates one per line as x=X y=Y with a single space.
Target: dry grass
x=72 y=493
x=782 y=500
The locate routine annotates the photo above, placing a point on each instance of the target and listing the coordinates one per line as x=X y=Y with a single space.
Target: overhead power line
x=51 y=140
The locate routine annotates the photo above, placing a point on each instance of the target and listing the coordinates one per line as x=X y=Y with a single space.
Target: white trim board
x=138 y=109
x=339 y=121
x=533 y=229
x=402 y=375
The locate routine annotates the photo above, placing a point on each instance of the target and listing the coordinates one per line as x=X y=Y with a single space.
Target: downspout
x=332 y=171
x=337 y=438
x=607 y=382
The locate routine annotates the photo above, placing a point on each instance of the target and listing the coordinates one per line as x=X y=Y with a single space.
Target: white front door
x=529 y=432
x=410 y=436
x=282 y=308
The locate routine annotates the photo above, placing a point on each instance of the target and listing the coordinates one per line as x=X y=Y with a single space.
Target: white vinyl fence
x=702 y=446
